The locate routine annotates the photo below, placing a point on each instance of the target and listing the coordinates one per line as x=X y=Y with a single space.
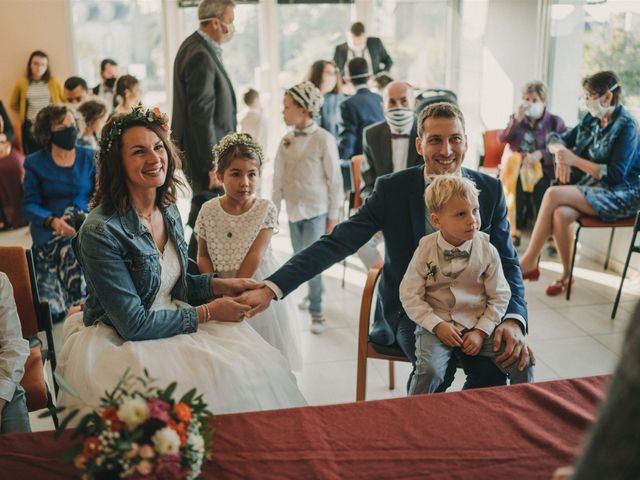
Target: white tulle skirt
x=229 y=363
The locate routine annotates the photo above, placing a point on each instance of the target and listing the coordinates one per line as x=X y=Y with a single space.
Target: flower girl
x=234 y=233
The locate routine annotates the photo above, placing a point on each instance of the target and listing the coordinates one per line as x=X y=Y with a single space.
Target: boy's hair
x=249 y=97
x=445 y=187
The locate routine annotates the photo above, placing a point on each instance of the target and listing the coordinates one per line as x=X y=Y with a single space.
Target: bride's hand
x=227 y=310
x=233 y=286
x=258 y=299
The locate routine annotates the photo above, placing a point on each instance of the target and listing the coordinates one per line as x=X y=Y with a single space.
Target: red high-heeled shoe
x=558 y=287
x=532 y=275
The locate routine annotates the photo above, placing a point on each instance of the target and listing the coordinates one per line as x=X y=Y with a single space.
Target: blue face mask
x=65 y=138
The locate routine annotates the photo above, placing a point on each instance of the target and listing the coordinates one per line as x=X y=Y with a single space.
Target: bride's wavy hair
x=111 y=191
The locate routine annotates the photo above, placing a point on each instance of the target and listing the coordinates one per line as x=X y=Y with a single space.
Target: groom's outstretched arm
x=345 y=240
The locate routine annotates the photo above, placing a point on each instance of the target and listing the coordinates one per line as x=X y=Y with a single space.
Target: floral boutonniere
x=286 y=142
x=431 y=270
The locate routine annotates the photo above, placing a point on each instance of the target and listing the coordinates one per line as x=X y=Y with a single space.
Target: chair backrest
x=14 y=262
x=356 y=166
x=493 y=149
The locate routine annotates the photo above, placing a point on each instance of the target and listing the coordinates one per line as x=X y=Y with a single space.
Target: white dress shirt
x=307 y=174
x=14 y=350
x=400 y=150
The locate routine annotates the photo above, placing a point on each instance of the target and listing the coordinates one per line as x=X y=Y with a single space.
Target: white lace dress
x=229 y=238
x=229 y=363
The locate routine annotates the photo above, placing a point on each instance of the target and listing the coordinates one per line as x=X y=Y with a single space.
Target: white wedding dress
x=229 y=363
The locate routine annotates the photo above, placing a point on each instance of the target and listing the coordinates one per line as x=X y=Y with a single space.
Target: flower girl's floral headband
x=234 y=140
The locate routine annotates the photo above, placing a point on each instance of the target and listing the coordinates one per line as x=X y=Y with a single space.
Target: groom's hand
x=230 y=287
x=516 y=347
x=258 y=299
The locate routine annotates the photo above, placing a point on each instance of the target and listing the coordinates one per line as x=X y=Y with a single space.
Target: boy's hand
x=448 y=334
x=472 y=341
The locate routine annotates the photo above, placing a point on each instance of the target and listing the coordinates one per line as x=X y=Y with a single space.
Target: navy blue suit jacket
x=362 y=109
x=396 y=207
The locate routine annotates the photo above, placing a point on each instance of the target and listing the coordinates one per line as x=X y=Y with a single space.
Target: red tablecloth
x=519 y=432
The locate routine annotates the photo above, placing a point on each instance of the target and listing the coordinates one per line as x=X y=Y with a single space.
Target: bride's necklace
x=149 y=222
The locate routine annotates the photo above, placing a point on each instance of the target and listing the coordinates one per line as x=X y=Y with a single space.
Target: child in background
x=454 y=287
x=307 y=176
x=254 y=122
x=95 y=114
x=234 y=233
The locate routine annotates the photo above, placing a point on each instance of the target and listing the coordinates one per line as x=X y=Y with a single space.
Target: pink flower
x=158 y=409
x=144 y=467
x=168 y=466
x=146 y=451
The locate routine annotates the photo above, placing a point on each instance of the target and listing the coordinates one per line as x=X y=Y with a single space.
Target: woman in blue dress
x=605 y=146
x=58 y=183
x=325 y=76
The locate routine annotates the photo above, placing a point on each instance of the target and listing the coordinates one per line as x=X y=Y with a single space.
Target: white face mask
x=228 y=35
x=535 y=110
x=596 y=108
x=399 y=119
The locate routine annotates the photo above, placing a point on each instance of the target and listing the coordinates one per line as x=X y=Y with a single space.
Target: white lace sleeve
x=200 y=227
x=271 y=218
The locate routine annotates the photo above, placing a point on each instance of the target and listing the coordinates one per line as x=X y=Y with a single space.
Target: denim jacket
x=616 y=146
x=122 y=266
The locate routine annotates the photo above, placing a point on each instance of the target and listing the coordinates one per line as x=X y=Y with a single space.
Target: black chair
x=633 y=248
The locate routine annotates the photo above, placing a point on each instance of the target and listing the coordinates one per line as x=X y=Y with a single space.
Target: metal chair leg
x=606 y=261
x=573 y=261
x=392 y=376
x=632 y=248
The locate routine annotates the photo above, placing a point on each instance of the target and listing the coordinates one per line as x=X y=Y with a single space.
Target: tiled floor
x=570 y=339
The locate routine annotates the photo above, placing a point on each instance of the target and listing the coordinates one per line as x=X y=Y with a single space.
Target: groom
x=396 y=207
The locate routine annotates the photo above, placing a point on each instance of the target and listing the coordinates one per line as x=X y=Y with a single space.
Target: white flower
x=133 y=412
x=166 y=440
x=197 y=442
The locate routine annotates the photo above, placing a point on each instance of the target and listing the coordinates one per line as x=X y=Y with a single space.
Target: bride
x=138 y=312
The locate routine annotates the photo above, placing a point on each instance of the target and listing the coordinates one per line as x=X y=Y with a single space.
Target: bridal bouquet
x=141 y=432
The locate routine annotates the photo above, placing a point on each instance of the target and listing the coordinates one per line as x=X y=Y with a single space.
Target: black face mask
x=65 y=138
x=109 y=83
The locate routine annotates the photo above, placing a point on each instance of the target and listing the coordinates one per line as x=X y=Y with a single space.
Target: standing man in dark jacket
x=358 y=111
x=204 y=103
x=359 y=45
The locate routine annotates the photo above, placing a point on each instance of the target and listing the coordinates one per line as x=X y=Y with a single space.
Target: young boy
x=307 y=176
x=254 y=121
x=454 y=288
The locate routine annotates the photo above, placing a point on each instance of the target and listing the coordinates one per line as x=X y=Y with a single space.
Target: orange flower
x=111 y=414
x=180 y=429
x=91 y=447
x=156 y=111
x=182 y=411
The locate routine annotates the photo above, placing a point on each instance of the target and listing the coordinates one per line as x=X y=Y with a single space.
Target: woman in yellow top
x=32 y=93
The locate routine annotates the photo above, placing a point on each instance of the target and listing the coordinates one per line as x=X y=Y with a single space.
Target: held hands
x=258 y=300
x=448 y=334
x=472 y=341
x=227 y=310
x=62 y=228
x=230 y=287
x=516 y=347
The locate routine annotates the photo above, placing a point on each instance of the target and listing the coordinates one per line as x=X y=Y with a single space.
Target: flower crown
x=149 y=116
x=233 y=140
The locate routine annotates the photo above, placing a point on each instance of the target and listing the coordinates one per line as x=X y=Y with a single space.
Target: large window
x=587 y=38
x=415 y=33
x=130 y=32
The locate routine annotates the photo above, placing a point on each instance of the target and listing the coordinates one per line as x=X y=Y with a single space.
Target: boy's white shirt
x=471 y=292
x=307 y=175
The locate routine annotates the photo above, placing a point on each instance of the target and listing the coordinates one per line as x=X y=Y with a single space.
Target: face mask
x=535 y=110
x=109 y=83
x=594 y=106
x=231 y=29
x=65 y=138
x=399 y=119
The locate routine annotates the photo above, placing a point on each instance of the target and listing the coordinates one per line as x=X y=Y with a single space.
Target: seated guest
x=127 y=94
x=457 y=265
x=11 y=173
x=95 y=114
x=358 y=111
x=325 y=76
x=75 y=91
x=136 y=316
x=526 y=133
x=611 y=450
x=606 y=146
x=58 y=182
x=358 y=45
x=37 y=89
x=396 y=208
x=14 y=351
x=109 y=72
